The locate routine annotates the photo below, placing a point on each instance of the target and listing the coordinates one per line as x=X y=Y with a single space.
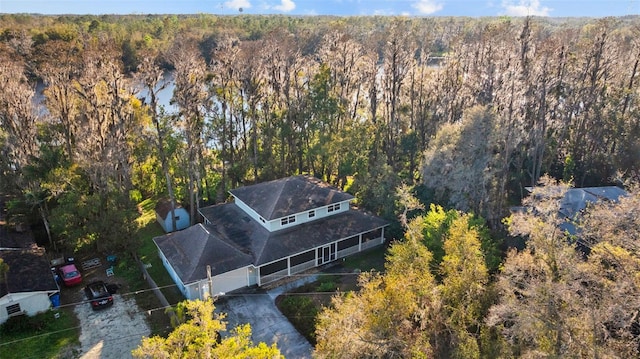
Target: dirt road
x=111 y=333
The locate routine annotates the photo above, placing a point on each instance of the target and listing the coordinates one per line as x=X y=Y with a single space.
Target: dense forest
x=462 y=113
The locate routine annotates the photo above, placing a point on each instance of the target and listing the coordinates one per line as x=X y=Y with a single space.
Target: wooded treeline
x=459 y=112
x=439 y=298
x=472 y=109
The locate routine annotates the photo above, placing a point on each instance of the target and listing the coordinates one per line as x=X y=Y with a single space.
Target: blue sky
x=553 y=8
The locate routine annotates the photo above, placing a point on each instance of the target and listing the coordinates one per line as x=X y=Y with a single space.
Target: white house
x=28 y=286
x=270 y=231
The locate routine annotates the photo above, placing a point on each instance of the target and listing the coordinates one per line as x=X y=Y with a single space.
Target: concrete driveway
x=257 y=307
x=111 y=332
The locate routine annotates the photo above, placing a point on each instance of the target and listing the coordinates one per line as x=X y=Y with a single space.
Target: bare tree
x=106 y=120
x=151 y=76
x=191 y=98
x=59 y=65
x=17 y=115
x=396 y=65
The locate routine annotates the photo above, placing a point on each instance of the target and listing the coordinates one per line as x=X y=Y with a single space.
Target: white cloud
x=237 y=4
x=379 y=12
x=525 y=8
x=427 y=7
x=285 y=6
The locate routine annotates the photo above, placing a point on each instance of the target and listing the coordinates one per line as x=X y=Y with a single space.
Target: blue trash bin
x=55 y=300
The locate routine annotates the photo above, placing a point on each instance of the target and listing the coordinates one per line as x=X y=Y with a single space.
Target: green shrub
x=327 y=284
x=302 y=313
x=22 y=324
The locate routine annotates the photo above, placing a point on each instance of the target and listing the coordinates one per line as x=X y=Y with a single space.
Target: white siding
x=252 y=276
x=31 y=303
x=222 y=283
x=226 y=282
x=193 y=291
x=174 y=275
x=274 y=276
x=303 y=217
x=303 y=266
x=372 y=243
x=347 y=251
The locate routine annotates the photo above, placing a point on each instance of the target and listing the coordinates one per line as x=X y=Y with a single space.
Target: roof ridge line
x=278 y=196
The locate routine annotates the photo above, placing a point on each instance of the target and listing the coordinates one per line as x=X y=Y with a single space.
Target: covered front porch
x=318 y=256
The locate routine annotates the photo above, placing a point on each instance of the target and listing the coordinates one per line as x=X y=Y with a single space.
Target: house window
x=371 y=235
x=312 y=214
x=288 y=220
x=348 y=243
x=333 y=207
x=13 y=309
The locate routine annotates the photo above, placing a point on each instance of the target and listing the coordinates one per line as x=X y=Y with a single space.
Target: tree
x=552 y=301
x=151 y=76
x=463 y=288
x=460 y=164
x=406 y=312
x=390 y=316
x=198 y=336
x=396 y=66
x=4 y=268
x=434 y=227
x=59 y=66
x=108 y=119
x=18 y=118
x=190 y=96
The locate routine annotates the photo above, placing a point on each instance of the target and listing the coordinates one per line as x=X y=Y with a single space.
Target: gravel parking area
x=111 y=332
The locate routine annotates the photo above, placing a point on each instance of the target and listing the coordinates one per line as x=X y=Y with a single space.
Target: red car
x=70 y=275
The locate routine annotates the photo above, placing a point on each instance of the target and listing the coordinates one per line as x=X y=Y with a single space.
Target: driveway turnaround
x=111 y=333
x=257 y=307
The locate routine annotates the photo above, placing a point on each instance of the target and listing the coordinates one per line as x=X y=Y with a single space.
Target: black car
x=99 y=295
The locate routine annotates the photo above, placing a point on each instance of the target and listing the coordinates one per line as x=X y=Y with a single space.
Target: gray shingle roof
x=577 y=199
x=29 y=271
x=233 y=226
x=286 y=196
x=234 y=240
x=190 y=251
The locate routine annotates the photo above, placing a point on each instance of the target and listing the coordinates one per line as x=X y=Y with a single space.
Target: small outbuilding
x=163 y=216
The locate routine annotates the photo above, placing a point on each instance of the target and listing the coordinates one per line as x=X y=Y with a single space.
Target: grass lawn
x=372 y=259
x=148 y=254
x=41 y=336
